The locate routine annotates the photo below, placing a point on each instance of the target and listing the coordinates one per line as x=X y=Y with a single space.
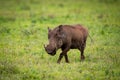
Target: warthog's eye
x=56 y=35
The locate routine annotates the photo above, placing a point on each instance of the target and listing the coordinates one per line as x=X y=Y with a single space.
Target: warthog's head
x=55 y=37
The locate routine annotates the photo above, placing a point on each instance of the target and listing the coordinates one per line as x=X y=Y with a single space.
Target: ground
x=23 y=32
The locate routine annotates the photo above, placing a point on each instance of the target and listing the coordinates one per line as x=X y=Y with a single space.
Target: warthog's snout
x=50 y=50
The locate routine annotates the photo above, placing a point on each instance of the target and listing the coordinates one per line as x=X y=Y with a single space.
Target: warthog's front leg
x=64 y=53
x=60 y=57
x=66 y=58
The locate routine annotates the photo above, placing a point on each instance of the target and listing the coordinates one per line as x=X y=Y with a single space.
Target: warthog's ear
x=60 y=28
x=61 y=32
x=49 y=30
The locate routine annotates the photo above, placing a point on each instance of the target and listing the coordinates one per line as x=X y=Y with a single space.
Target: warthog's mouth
x=53 y=52
x=50 y=52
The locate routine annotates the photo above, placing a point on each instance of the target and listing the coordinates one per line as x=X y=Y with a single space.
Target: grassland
x=23 y=31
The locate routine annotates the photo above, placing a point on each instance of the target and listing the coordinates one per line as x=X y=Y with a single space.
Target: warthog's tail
x=91 y=38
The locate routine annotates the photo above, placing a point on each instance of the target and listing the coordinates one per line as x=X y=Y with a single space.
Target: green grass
x=23 y=31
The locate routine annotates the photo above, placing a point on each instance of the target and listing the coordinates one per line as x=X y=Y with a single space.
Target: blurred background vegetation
x=23 y=31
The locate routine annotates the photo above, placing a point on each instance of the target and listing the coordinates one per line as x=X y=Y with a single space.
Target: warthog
x=66 y=37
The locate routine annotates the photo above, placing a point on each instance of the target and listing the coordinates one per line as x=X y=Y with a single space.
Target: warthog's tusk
x=45 y=45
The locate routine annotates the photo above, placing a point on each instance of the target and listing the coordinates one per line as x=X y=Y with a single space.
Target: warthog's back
x=76 y=34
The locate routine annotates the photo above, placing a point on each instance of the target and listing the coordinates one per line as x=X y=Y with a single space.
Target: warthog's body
x=66 y=37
